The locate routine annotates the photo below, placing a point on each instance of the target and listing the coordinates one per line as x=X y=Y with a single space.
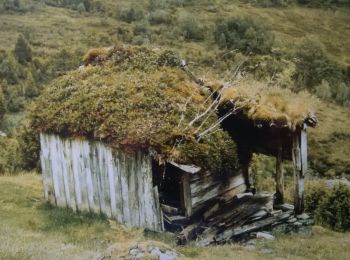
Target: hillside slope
x=52 y=29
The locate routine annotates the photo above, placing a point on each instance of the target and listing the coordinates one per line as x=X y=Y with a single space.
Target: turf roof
x=138 y=98
x=133 y=98
x=270 y=105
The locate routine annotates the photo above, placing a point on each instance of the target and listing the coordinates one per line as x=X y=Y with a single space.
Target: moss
x=134 y=99
x=263 y=103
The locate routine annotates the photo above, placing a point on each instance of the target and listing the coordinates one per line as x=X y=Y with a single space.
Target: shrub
x=330 y=207
x=81 y=8
x=334 y=209
x=323 y=90
x=313 y=64
x=160 y=17
x=341 y=94
x=314 y=192
x=22 y=51
x=243 y=34
x=9 y=70
x=8 y=155
x=156 y=4
x=29 y=148
x=190 y=28
x=3 y=105
x=31 y=89
x=130 y=15
x=15 y=101
x=140 y=40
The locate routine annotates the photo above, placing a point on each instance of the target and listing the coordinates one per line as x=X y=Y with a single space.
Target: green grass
x=31 y=229
x=54 y=28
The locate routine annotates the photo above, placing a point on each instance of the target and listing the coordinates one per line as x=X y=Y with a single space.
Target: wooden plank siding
x=205 y=187
x=89 y=176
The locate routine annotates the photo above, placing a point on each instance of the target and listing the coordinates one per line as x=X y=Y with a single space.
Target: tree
x=3 y=106
x=243 y=34
x=313 y=64
x=31 y=90
x=81 y=8
x=323 y=90
x=190 y=28
x=23 y=52
x=9 y=69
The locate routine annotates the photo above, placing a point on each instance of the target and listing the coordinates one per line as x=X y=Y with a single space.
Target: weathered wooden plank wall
x=205 y=186
x=89 y=176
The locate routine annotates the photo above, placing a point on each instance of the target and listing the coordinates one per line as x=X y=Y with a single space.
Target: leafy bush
x=323 y=90
x=130 y=14
x=160 y=17
x=8 y=155
x=334 y=209
x=29 y=148
x=190 y=28
x=243 y=34
x=313 y=64
x=330 y=207
x=9 y=69
x=15 y=101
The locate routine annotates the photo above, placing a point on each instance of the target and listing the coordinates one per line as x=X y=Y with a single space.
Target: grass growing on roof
x=270 y=104
x=134 y=99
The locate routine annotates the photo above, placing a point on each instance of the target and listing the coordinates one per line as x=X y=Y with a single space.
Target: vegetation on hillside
x=284 y=44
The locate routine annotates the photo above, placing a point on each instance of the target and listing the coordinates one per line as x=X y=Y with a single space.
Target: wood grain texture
x=298 y=173
x=89 y=176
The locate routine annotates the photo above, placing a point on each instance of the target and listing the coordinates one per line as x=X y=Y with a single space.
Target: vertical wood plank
x=298 y=173
x=56 y=171
x=111 y=171
x=125 y=188
x=157 y=212
x=93 y=177
x=82 y=176
x=279 y=196
x=104 y=187
x=49 y=192
x=148 y=215
x=63 y=162
x=132 y=184
x=76 y=171
x=68 y=158
x=140 y=189
x=185 y=190
x=303 y=150
x=118 y=186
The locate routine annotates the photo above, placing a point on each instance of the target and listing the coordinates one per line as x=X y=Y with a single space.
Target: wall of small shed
x=89 y=176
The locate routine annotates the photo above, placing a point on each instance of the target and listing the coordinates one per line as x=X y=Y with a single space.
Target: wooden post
x=279 y=196
x=246 y=175
x=186 y=201
x=300 y=167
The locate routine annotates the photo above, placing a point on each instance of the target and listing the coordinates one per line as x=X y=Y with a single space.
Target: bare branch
x=220 y=120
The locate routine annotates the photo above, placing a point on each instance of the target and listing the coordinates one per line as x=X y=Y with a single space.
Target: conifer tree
x=31 y=90
x=3 y=106
x=23 y=52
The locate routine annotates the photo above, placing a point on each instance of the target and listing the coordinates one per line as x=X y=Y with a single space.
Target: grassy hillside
x=59 y=36
x=52 y=28
x=29 y=229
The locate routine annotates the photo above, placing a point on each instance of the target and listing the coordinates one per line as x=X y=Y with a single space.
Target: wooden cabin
x=118 y=138
x=131 y=188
